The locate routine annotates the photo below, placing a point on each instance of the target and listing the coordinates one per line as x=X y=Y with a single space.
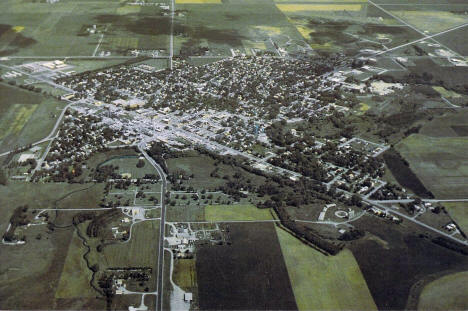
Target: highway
x=162 y=226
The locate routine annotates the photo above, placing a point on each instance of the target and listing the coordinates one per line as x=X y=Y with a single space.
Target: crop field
x=198 y=1
x=318 y=7
x=322 y=282
x=404 y=174
x=432 y=19
x=25 y=117
x=241 y=26
x=185 y=275
x=185 y=213
x=441 y=163
x=446 y=293
x=233 y=277
x=140 y=251
x=393 y=259
x=236 y=212
x=347 y=27
x=75 y=276
x=27 y=27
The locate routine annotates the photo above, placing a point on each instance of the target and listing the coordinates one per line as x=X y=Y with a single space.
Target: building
x=188 y=297
x=130 y=103
x=25 y=157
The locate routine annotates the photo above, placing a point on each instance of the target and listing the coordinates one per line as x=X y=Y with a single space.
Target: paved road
x=162 y=227
x=412 y=200
x=390 y=210
x=39 y=78
x=51 y=136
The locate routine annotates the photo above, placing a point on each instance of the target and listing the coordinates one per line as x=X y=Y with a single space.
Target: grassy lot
x=236 y=212
x=141 y=251
x=440 y=162
x=87 y=196
x=34 y=195
x=447 y=293
x=200 y=167
x=324 y=283
x=184 y=274
x=127 y=166
x=185 y=213
x=75 y=276
x=459 y=212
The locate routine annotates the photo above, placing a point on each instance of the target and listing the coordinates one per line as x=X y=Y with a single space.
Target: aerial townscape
x=233 y=155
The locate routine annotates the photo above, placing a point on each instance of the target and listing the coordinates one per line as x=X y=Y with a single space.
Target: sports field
x=322 y=282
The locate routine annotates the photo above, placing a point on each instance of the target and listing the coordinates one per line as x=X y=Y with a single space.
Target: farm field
x=27 y=26
x=232 y=277
x=26 y=117
x=185 y=275
x=441 y=163
x=322 y=282
x=347 y=27
x=236 y=212
x=393 y=259
x=75 y=276
x=236 y=25
x=185 y=213
x=140 y=251
x=446 y=293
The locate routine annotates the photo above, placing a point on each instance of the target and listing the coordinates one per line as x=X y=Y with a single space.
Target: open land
x=233 y=154
x=228 y=275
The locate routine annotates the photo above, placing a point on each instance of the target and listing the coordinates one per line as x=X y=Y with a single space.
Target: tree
x=140 y=163
x=3 y=177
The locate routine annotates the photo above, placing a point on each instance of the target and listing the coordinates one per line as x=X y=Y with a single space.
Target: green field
x=459 y=212
x=324 y=282
x=447 y=293
x=87 y=196
x=26 y=117
x=236 y=212
x=185 y=213
x=75 y=276
x=140 y=251
x=441 y=163
x=231 y=25
x=127 y=167
x=40 y=29
x=184 y=274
